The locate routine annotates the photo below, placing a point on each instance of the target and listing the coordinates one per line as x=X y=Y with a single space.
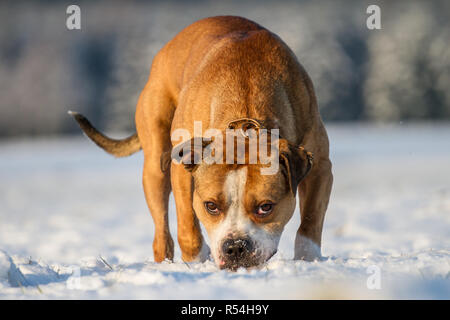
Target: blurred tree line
x=398 y=73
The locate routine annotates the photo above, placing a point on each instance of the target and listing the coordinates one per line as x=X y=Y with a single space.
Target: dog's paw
x=306 y=249
x=204 y=253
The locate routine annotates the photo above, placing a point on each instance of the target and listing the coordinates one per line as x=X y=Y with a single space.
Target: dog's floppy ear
x=295 y=162
x=188 y=153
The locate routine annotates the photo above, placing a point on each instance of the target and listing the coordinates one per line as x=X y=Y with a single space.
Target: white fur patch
x=238 y=224
x=234 y=189
x=306 y=249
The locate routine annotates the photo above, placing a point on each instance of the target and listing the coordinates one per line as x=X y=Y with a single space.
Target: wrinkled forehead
x=241 y=149
x=224 y=182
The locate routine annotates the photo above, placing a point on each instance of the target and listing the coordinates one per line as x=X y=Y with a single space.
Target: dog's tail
x=118 y=148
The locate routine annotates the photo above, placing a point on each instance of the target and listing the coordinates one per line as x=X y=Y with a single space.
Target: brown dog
x=222 y=71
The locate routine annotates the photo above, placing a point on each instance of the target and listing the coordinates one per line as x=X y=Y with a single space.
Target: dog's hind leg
x=154 y=115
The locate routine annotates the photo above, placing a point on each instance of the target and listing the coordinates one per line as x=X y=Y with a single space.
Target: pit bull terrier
x=221 y=72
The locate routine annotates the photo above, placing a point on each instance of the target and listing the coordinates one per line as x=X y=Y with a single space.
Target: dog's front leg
x=314 y=192
x=192 y=245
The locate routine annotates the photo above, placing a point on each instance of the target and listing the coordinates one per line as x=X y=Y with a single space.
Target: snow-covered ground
x=67 y=208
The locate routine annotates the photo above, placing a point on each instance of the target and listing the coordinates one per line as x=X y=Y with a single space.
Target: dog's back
x=239 y=61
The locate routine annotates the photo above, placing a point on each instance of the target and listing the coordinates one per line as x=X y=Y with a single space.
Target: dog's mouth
x=254 y=261
x=234 y=266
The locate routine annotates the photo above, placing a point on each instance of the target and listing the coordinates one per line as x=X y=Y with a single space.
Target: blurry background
x=400 y=73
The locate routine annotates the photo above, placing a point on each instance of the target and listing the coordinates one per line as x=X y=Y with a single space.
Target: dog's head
x=243 y=208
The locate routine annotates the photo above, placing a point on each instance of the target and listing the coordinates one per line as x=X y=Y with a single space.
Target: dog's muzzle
x=237 y=253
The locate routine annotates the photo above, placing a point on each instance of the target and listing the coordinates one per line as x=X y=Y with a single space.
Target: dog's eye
x=211 y=207
x=264 y=209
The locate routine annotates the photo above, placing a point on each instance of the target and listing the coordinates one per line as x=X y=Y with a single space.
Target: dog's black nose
x=235 y=250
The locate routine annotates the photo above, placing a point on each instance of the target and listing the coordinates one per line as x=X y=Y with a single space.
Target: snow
x=68 y=209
